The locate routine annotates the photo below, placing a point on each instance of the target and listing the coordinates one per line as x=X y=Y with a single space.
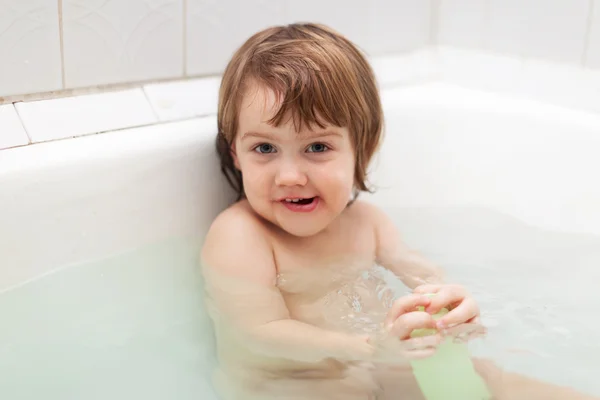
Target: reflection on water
x=134 y=325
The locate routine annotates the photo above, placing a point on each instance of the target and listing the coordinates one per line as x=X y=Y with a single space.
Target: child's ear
x=234 y=157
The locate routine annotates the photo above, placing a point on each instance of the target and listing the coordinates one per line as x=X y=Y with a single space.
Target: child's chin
x=301 y=230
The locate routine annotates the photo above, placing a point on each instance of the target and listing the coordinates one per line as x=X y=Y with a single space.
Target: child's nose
x=290 y=174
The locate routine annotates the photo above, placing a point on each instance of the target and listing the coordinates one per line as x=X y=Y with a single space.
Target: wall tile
x=345 y=16
x=593 y=50
x=550 y=29
x=398 y=25
x=80 y=115
x=29 y=47
x=216 y=28
x=462 y=23
x=110 y=41
x=12 y=132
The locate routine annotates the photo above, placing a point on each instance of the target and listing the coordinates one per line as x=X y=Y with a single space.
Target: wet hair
x=320 y=78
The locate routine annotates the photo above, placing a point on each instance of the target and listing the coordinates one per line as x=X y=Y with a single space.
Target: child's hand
x=402 y=319
x=463 y=308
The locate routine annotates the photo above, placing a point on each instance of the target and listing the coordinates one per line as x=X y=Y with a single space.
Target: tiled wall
x=565 y=31
x=48 y=45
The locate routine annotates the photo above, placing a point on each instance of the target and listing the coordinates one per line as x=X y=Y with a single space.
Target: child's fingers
x=465 y=311
x=406 y=323
x=427 y=289
x=447 y=296
x=405 y=305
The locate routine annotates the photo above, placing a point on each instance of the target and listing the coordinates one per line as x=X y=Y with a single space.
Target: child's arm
x=418 y=273
x=393 y=254
x=240 y=276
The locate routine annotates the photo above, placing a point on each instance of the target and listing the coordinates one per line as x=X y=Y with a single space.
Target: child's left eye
x=317 y=148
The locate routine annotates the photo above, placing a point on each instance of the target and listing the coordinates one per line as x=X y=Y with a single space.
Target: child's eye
x=265 y=148
x=317 y=148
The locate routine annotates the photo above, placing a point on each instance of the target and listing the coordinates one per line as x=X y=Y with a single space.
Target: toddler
x=298 y=308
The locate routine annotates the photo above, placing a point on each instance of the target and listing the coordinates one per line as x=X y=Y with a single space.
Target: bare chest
x=309 y=272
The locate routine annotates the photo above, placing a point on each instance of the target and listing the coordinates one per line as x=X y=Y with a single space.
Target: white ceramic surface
x=77 y=200
x=231 y=22
x=550 y=29
x=12 y=132
x=115 y=41
x=555 y=83
x=29 y=47
x=80 y=115
x=593 y=50
x=449 y=146
x=463 y=23
x=184 y=99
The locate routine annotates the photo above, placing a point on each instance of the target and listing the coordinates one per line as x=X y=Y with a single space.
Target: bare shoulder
x=238 y=244
x=368 y=212
x=384 y=228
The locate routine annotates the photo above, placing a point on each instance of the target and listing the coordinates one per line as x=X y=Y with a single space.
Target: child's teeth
x=292 y=200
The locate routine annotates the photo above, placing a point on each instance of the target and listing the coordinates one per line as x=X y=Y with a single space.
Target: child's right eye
x=265 y=148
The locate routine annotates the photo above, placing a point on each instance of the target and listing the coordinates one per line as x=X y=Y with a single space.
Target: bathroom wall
x=80 y=46
x=51 y=45
x=564 y=31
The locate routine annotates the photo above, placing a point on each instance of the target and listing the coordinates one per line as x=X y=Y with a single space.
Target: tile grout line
x=23 y=124
x=184 y=38
x=487 y=20
x=588 y=34
x=434 y=22
x=62 y=43
x=151 y=104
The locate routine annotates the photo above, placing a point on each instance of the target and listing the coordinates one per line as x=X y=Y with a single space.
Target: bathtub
x=99 y=238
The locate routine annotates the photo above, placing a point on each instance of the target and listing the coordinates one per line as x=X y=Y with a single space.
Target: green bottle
x=449 y=374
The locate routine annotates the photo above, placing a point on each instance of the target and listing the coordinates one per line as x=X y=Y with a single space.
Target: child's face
x=279 y=164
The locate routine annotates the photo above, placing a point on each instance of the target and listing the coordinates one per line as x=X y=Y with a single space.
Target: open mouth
x=305 y=205
x=300 y=201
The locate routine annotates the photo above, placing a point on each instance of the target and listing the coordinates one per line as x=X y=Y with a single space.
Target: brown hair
x=319 y=75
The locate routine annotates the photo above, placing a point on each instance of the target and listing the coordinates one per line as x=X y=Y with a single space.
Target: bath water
x=134 y=326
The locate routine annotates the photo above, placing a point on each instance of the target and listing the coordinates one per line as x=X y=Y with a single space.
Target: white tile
x=216 y=28
x=29 y=47
x=81 y=115
x=593 y=50
x=548 y=29
x=12 y=132
x=120 y=41
x=184 y=99
x=398 y=25
x=345 y=16
x=462 y=23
